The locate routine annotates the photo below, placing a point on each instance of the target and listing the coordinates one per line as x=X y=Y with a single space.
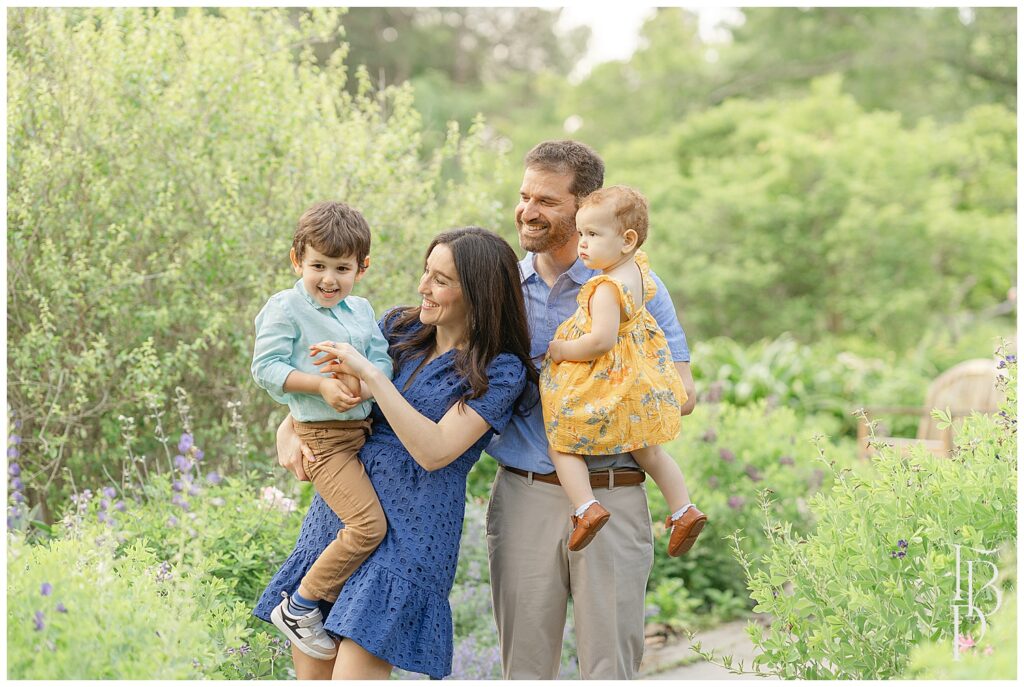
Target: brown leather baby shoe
x=685 y=529
x=587 y=525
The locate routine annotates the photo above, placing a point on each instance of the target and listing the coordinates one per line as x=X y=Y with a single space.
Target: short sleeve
x=664 y=312
x=506 y=378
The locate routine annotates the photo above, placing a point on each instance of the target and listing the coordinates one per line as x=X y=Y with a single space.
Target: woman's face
x=443 y=303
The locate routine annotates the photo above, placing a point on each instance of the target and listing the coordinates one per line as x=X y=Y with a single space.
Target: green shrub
x=990 y=656
x=728 y=455
x=213 y=543
x=162 y=157
x=875 y=577
x=77 y=611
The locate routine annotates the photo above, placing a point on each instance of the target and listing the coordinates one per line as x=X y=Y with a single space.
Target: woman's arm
x=431 y=444
x=606 y=318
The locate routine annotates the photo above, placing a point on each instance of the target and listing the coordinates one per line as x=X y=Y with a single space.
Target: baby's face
x=327 y=280
x=601 y=243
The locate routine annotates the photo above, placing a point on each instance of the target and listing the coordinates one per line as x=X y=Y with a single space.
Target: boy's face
x=327 y=280
x=601 y=244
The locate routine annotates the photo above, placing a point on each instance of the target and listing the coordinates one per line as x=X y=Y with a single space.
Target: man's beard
x=556 y=235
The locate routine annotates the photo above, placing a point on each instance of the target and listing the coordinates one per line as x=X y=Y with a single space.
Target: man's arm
x=691 y=390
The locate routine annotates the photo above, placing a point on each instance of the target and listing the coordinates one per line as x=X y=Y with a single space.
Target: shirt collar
x=312 y=301
x=578 y=272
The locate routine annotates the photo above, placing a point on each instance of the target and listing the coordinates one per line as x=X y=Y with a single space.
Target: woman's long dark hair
x=491 y=286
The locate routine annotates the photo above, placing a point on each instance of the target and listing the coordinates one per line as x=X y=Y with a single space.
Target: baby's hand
x=337 y=395
x=555 y=351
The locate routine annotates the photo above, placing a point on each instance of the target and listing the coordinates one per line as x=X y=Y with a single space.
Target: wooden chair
x=964 y=388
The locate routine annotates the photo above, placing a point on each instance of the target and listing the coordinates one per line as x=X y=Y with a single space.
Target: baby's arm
x=605 y=314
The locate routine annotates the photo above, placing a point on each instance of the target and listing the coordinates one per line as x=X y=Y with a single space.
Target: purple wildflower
x=185 y=443
x=726 y=455
x=753 y=473
x=193 y=490
x=61 y=608
x=179 y=501
x=786 y=460
x=101 y=516
x=17 y=497
x=104 y=504
x=46 y=589
x=712 y=481
x=710 y=435
x=14 y=470
x=12 y=452
x=902 y=543
x=119 y=506
x=38 y=620
x=16 y=483
x=172 y=521
x=892 y=554
x=109 y=492
x=736 y=502
x=14 y=439
x=213 y=477
x=182 y=463
x=177 y=485
x=901 y=554
x=197 y=453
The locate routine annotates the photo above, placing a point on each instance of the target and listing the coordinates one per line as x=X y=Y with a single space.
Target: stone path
x=675 y=660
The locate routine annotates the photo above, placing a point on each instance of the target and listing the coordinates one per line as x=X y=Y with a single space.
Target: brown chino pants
x=342 y=482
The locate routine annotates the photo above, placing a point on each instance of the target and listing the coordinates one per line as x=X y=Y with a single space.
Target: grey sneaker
x=305 y=631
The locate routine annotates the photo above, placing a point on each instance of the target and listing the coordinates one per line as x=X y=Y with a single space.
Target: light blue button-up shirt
x=523 y=444
x=289 y=324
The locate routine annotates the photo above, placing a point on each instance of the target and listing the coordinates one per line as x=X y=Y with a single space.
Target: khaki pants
x=343 y=484
x=533 y=574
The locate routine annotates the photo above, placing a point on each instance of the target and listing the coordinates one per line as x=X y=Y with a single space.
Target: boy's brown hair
x=334 y=229
x=629 y=205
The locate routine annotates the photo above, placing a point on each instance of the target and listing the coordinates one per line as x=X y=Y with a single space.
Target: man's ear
x=629 y=239
x=295 y=262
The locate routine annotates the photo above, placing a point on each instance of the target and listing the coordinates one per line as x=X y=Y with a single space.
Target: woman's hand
x=341 y=357
x=290 y=450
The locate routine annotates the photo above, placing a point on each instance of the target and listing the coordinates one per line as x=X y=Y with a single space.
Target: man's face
x=546 y=213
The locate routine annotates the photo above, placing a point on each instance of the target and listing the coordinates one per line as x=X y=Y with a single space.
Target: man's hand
x=290 y=450
x=337 y=394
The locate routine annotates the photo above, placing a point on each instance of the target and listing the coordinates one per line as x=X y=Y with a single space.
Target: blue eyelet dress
x=395 y=605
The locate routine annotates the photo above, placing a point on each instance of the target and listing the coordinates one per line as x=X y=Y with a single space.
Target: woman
x=461 y=367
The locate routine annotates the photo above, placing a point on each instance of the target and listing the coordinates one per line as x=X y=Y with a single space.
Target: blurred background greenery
x=833 y=202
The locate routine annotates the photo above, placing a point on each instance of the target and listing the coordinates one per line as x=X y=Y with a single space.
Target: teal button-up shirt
x=289 y=324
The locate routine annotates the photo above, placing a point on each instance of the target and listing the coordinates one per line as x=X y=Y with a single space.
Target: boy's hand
x=337 y=394
x=555 y=351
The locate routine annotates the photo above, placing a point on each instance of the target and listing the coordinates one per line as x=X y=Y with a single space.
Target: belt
x=599 y=479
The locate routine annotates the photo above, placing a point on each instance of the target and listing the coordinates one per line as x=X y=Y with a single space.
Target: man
x=532 y=572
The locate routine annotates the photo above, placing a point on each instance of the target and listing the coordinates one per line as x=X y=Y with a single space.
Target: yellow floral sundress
x=626 y=399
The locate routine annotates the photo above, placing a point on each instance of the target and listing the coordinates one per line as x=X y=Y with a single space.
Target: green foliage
x=77 y=611
x=816 y=217
x=876 y=576
x=992 y=655
x=158 y=162
x=729 y=455
x=209 y=545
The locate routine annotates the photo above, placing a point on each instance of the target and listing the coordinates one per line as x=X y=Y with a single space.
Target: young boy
x=329 y=253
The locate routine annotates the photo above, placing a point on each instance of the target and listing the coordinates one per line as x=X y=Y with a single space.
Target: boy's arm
x=271 y=359
x=605 y=321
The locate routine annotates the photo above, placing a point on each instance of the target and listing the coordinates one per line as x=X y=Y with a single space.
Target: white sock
x=583 y=509
x=679 y=513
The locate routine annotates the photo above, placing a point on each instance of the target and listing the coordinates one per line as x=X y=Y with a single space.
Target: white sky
x=615 y=28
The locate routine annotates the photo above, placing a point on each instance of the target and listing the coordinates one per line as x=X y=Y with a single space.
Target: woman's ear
x=295 y=262
x=629 y=239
